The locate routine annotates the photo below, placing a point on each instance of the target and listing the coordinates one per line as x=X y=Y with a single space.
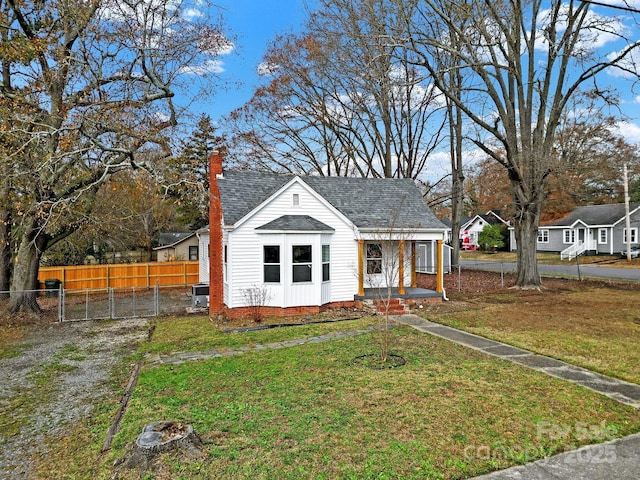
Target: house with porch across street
x=589 y=230
x=308 y=243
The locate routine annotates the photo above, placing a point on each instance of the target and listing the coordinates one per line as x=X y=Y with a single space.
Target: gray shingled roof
x=298 y=223
x=594 y=215
x=367 y=202
x=167 y=239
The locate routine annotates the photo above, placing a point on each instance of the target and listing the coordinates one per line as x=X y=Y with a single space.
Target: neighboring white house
x=178 y=246
x=471 y=228
x=310 y=241
x=592 y=229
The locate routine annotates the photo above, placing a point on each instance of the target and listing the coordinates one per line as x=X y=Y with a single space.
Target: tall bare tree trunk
x=525 y=224
x=25 y=274
x=5 y=248
x=457 y=177
x=5 y=232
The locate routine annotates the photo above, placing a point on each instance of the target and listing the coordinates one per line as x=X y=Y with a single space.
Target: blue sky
x=253 y=23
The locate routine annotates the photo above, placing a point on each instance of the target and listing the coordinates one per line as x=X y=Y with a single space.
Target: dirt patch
x=332 y=315
x=53 y=380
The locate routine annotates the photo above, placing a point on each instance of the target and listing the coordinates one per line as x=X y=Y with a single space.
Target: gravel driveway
x=61 y=370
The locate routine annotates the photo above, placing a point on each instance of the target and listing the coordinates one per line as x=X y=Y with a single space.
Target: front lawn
x=307 y=412
x=584 y=323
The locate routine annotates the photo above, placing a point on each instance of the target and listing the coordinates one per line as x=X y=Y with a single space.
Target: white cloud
x=629 y=131
x=628 y=67
x=225 y=47
x=192 y=13
x=622 y=3
x=597 y=30
x=210 y=66
x=637 y=99
x=266 y=69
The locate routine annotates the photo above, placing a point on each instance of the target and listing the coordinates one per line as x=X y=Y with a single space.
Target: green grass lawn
x=188 y=334
x=548 y=258
x=307 y=412
x=593 y=326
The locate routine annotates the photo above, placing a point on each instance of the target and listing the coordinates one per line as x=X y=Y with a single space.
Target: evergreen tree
x=189 y=174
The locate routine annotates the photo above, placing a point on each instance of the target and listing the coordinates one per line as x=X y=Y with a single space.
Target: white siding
x=245 y=254
x=203 y=245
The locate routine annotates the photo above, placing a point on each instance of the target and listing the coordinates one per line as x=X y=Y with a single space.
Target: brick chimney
x=216 y=280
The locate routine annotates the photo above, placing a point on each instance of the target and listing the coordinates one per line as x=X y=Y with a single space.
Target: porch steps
x=573 y=251
x=396 y=307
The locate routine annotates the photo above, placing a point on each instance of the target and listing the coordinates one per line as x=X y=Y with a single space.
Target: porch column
x=414 y=280
x=439 y=267
x=401 y=267
x=361 y=268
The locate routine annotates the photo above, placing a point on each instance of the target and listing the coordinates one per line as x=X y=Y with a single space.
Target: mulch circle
x=372 y=361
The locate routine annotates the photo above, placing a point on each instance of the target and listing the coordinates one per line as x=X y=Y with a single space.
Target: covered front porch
x=410 y=293
x=380 y=267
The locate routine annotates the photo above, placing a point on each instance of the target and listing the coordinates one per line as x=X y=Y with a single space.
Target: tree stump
x=161 y=437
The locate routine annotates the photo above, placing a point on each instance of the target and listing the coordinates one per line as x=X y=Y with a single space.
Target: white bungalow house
x=312 y=242
x=471 y=228
x=591 y=229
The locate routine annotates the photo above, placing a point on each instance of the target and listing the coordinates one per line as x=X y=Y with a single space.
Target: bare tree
x=524 y=62
x=87 y=85
x=342 y=99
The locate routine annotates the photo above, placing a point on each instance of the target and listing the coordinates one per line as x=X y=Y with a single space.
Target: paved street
x=570 y=270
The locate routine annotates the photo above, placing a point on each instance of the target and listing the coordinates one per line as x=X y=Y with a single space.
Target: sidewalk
x=618 y=459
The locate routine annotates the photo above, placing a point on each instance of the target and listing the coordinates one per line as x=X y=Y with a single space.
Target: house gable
x=278 y=195
x=366 y=203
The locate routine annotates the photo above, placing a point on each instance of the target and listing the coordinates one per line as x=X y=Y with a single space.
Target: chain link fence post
x=156 y=293
x=61 y=304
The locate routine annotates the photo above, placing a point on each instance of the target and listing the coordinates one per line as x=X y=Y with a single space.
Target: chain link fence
x=114 y=303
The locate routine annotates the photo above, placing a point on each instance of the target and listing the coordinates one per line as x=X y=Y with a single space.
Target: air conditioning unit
x=200 y=295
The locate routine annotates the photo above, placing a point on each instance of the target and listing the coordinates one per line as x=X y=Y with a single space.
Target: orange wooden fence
x=96 y=277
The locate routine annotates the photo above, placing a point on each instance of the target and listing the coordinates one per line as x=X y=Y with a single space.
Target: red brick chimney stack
x=216 y=288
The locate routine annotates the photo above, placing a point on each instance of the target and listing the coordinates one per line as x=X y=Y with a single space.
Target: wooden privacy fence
x=103 y=277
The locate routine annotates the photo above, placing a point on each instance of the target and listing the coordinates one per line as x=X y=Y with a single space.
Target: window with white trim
x=602 y=235
x=295 y=200
x=543 y=236
x=569 y=236
x=193 y=252
x=326 y=257
x=634 y=236
x=271 y=265
x=224 y=263
x=374 y=258
x=302 y=262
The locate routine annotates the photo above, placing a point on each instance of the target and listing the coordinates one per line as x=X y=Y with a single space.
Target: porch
x=413 y=293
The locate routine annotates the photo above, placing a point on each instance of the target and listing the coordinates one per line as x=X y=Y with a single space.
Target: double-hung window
x=326 y=258
x=602 y=235
x=633 y=237
x=302 y=262
x=543 y=236
x=569 y=236
x=271 y=263
x=374 y=258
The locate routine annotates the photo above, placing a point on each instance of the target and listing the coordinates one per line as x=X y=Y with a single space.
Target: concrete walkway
x=624 y=392
x=618 y=459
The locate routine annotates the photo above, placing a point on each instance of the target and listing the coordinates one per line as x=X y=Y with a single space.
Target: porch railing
x=573 y=251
